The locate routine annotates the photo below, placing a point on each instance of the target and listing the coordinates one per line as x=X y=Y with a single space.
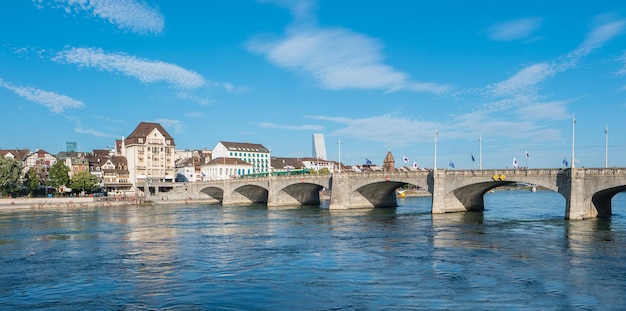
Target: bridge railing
x=605 y=171
x=506 y=172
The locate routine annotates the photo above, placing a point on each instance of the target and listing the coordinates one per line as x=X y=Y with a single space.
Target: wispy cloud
x=146 y=71
x=526 y=116
x=93 y=132
x=334 y=58
x=525 y=81
x=603 y=32
x=304 y=127
x=57 y=103
x=194 y=114
x=388 y=129
x=514 y=29
x=133 y=15
x=606 y=29
x=177 y=126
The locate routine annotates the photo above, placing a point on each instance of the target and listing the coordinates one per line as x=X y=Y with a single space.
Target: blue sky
x=377 y=75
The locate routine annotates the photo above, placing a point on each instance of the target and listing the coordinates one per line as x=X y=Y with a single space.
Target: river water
x=519 y=254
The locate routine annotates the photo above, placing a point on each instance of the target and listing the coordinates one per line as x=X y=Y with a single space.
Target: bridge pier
x=342 y=195
x=444 y=201
x=577 y=205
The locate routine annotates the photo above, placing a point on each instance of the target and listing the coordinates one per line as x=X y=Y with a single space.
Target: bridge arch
x=459 y=191
x=295 y=194
x=372 y=190
x=602 y=200
x=213 y=192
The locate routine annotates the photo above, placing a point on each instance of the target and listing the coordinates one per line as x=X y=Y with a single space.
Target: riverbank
x=58 y=202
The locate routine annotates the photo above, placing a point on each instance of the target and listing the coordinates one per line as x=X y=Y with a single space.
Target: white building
x=149 y=150
x=319 y=146
x=318 y=164
x=225 y=168
x=254 y=154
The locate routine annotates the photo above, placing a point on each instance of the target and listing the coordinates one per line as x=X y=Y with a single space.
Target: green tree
x=31 y=181
x=58 y=175
x=84 y=181
x=10 y=175
x=323 y=171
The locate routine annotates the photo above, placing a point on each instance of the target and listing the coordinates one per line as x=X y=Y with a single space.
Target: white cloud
x=177 y=126
x=304 y=127
x=514 y=29
x=543 y=111
x=57 y=103
x=133 y=15
x=337 y=59
x=194 y=114
x=146 y=71
x=92 y=132
x=603 y=33
x=523 y=81
x=388 y=129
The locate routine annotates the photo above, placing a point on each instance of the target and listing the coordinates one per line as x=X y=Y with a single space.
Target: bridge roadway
x=587 y=191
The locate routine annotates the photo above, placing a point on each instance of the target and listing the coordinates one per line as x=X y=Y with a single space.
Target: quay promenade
x=64 y=202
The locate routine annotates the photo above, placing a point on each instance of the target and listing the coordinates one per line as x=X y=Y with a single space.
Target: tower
x=319 y=147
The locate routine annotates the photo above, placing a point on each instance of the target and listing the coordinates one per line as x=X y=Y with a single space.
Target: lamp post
x=339 y=161
x=606 y=147
x=573 y=127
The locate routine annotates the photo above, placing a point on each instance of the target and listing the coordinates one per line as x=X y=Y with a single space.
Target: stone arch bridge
x=587 y=191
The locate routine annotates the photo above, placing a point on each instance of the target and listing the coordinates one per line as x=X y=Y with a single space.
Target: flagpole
x=339 y=164
x=480 y=155
x=606 y=147
x=435 y=164
x=573 y=127
x=526 y=156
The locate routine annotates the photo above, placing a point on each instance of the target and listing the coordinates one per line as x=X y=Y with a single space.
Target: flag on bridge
x=415 y=166
x=473 y=160
x=527 y=155
x=564 y=162
x=515 y=162
x=406 y=159
x=368 y=162
x=451 y=164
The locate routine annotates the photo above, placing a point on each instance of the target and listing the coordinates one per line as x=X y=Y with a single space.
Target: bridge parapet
x=605 y=171
x=506 y=172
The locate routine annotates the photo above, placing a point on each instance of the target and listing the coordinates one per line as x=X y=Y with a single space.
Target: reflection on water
x=518 y=254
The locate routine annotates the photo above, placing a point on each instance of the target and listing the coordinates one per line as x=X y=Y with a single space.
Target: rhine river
x=519 y=254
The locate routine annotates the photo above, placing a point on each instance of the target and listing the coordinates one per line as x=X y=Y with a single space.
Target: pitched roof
x=228 y=161
x=18 y=154
x=281 y=163
x=233 y=146
x=143 y=129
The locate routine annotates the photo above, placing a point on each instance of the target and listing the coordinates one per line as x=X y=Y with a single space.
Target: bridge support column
x=577 y=207
x=232 y=197
x=278 y=198
x=340 y=196
x=442 y=201
x=437 y=185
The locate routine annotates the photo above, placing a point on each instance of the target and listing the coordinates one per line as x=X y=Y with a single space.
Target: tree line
x=14 y=183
